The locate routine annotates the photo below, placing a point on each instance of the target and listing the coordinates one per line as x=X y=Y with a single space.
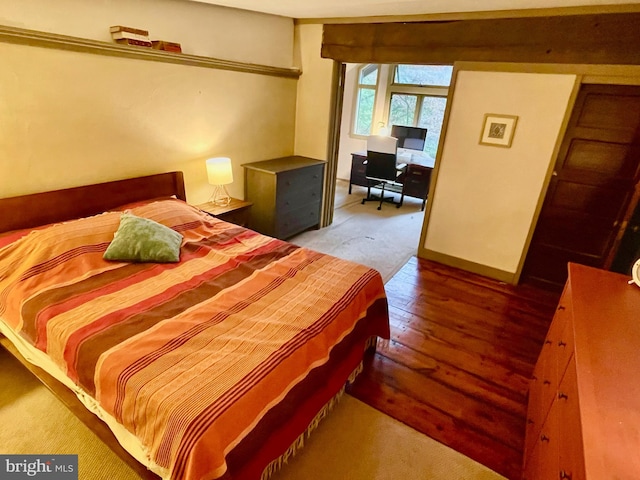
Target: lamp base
x=220 y=196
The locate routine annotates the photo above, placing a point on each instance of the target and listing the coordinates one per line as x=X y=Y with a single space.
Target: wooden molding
x=468 y=266
x=36 y=38
x=484 y=14
x=603 y=38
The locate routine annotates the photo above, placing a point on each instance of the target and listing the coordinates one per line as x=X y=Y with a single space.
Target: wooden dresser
x=583 y=418
x=286 y=194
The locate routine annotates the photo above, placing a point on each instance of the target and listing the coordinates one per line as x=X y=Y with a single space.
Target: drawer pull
x=562 y=344
x=561 y=307
x=562 y=395
x=533 y=377
x=546 y=382
x=530 y=422
x=544 y=438
x=548 y=342
x=564 y=475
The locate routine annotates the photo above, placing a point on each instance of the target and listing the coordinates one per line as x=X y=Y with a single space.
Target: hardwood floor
x=457 y=366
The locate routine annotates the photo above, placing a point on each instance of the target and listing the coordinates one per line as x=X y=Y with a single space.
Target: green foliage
x=431 y=117
x=364 y=111
x=431 y=75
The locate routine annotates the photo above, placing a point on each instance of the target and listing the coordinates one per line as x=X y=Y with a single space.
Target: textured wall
x=485 y=196
x=69 y=118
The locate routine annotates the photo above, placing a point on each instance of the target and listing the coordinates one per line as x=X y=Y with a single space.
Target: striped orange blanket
x=187 y=356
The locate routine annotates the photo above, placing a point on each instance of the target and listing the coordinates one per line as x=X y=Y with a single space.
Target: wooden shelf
x=22 y=36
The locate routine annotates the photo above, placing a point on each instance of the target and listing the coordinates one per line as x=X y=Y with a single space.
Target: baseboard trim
x=462 y=264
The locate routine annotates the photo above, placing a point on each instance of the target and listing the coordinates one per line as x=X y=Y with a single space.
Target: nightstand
x=236 y=212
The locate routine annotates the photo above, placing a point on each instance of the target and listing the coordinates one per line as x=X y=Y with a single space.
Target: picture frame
x=498 y=130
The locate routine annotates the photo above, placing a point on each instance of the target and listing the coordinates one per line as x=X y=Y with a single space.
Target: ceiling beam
x=610 y=38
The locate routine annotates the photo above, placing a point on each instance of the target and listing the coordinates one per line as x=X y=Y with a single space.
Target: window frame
x=410 y=89
x=421 y=91
x=356 y=99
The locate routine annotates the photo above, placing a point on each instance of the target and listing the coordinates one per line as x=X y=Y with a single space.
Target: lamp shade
x=219 y=171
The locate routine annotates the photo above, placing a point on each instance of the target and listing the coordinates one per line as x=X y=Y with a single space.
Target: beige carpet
x=34 y=421
x=383 y=239
x=358 y=442
x=354 y=442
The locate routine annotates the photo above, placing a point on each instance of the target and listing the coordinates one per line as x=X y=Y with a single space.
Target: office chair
x=381 y=169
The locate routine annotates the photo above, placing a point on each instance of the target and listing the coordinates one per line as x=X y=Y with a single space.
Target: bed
x=212 y=366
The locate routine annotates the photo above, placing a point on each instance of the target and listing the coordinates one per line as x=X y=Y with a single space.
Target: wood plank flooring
x=461 y=353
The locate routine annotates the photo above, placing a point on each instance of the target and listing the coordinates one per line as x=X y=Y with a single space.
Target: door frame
x=333 y=142
x=585 y=74
x=589 y=75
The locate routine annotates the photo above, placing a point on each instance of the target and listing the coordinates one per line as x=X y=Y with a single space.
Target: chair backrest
x=382 y=144
x=381 y=166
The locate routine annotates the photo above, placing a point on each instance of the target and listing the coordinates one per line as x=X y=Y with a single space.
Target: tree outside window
x=365 y=99
x=418 y=97
x=423 y=75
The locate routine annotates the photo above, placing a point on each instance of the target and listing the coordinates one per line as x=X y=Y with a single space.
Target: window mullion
x=434 y=91
x=416 y=113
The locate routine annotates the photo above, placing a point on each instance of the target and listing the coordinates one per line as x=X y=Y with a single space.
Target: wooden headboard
x=28 y=211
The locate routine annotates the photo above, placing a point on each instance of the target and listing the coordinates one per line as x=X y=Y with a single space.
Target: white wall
x=201 y=28
x=486 y=196
x=69 y=118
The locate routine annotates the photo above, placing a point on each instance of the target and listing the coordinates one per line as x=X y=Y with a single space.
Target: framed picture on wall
x=498 y=129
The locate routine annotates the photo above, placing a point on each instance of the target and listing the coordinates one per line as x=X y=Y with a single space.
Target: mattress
x=186 y=361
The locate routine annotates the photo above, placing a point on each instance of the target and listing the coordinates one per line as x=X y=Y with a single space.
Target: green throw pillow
x=142 y=240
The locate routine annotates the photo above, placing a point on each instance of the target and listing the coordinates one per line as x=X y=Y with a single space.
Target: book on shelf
x=120 y=28
x=131 y=41
x=133 y=36
x=167 y=46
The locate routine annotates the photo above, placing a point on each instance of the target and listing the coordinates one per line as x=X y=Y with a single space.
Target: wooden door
x=591 y=187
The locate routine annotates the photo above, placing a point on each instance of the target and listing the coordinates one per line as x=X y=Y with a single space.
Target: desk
x=415 y=180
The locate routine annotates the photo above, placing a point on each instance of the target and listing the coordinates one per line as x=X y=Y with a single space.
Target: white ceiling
x=367 y=8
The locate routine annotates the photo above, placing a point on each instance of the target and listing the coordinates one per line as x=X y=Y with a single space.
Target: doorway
x=591 y=194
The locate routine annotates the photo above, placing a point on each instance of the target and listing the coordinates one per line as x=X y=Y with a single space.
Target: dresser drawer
x=565 y=343
x=550 y=372
x=544 y=456
x=571 y=455
x=298 y=219
x=300 y=179
x=535 y=415
x=293 y=195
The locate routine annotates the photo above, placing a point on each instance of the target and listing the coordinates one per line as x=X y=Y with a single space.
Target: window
x=418 y=97
x=365 y=99
x=423 y=75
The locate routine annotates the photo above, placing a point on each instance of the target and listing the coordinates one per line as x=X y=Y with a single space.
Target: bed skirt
x=298 y=444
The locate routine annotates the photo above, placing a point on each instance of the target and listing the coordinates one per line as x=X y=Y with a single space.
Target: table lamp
x=220 y=174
